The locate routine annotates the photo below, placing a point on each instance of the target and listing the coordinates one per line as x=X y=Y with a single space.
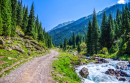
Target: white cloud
x=121 y=2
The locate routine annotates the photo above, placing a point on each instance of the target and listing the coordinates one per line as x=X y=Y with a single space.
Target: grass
x=114 y=55
x=64 y=70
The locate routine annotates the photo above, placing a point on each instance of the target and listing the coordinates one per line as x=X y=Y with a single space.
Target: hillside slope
x=80 y=26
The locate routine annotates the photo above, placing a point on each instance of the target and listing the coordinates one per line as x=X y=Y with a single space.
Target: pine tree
x=74 y=41
x=111 y=32
x=1 y=24
x=70 y=41
x=118 y=25
x=79 y=48
x=126 y=22
x=95 y=33
x=30 y=31
x=19 y=13
x=40 y=33
x=104 y=25
x=25 y=20
x=65 y=44
x=89 y=38
x=6 y=16
x=37 y=26
x=61 y=45
x=14 y=13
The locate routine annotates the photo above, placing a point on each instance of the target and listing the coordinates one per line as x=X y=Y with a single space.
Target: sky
x=53 y=12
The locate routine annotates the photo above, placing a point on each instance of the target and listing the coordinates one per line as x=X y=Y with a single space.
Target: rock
x=8 y=48
x=2 y=41
x=18 y=48
x=122 y=79
x=9 y=58
x=116 y=73
x=122 y=65
x=37 y=47
x=9 y=42
x=100 y=60
x=84 y=72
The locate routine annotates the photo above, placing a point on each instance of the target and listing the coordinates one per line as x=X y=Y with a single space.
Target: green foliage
x=14 y=18
x=89 y=38
x=31 y=23
x=64 y=68
x=112 y=49
x=61 y=45
x=74 y=40
x=104 y=51
x=25 y=20
x=104 y=26
x=6 y=16
x=1 y=24
x=111 y=32
x=65 y=44
x=95 y=34
x=79 y=48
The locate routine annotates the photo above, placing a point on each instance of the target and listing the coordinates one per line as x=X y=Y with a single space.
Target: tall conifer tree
x=14 y=18
x=95 y=33
x=31 y=23
x=89 y=38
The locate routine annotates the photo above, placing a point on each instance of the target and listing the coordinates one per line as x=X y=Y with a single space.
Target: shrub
x=112 y=49
x=104 y=51
x=28 y=37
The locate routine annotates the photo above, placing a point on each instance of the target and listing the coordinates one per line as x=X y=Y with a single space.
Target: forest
x=13 y=16
x=112 y=37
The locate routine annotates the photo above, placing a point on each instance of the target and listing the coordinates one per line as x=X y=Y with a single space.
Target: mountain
x=61 y=25
x=80 y=26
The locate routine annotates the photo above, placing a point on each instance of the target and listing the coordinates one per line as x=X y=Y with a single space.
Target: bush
x=112 y=49
x=28 y=37
x=104 y=51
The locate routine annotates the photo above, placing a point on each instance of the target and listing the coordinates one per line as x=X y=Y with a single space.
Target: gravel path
x=34 y=71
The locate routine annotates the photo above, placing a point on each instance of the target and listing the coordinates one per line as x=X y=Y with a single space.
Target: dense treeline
x=113 y=35
x=13 y=14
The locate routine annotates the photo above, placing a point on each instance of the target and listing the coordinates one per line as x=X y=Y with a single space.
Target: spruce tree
x=30 y=31
x=40 y=33
x=95 y=33
x=6 y=16
x=89 y=38
x=74 y=40
x=61 y=45
x=25 y=20
x=19 y=13
x=79 y=48
x=70 y=41
x=14 y=18
x=37 y=26
x=104 y=26
x=65 y=44
x=111 y=32
x=126 y=23
x=1 y=24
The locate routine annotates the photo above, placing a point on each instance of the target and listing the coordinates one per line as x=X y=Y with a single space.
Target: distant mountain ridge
x=80 y=26
x=61 y=25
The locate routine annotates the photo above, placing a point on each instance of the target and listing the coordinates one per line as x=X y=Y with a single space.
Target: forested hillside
x=14 y=17
x=112 y=37
x=80 y=26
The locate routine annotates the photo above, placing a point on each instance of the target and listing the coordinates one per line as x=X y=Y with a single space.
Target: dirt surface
x=34 y=71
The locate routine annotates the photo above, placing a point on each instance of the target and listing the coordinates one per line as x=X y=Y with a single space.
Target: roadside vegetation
x=64 y=68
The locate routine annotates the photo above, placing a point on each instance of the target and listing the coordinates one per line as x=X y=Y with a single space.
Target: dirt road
x=34 y=71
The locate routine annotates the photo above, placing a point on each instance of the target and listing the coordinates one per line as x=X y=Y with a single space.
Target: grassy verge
x=64 y=70
x=114 y=55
